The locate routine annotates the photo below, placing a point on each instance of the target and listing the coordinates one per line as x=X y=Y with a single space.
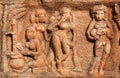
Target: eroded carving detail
x=44 y=40
x=61 y=25
x=100 y=30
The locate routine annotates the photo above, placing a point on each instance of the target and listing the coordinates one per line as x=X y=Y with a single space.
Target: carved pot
x=17 y=63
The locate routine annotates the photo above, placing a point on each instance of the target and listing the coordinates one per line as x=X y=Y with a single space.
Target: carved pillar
x=1 y=26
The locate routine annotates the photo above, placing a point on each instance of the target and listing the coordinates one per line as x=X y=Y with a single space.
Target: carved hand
x=19 y=46
x=13 y=21
x=96 y=37
x=117 y=11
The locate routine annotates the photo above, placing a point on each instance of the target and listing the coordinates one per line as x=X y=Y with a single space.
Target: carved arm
x=90 y=28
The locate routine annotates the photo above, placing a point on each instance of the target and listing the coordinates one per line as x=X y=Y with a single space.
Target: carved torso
x=100 y=28
x=31 y=45
x=65 y=25
x=40 y=29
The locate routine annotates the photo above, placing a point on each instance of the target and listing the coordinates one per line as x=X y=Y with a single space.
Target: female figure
x=61 y=43
x=39 y=21
x=35 y=57
x=100 y=30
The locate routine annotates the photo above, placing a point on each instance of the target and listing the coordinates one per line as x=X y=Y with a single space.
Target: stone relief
x=61 y=43
x=100 y=30
x=42 y=41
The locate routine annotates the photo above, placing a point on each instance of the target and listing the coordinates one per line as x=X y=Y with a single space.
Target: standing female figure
x=100 y=30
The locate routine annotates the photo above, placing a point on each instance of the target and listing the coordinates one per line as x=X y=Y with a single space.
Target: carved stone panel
x=59 y=38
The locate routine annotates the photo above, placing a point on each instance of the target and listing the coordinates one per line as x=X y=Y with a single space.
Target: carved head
x=99 y=12
x=30 y=33
x=65 y=10
x=41 y=15
x=54 y=16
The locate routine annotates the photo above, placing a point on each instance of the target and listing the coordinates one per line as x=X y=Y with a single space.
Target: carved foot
x=65 y=57
x=93 y=72
x=77 y=69
x=96 y=71
x=101 y=72
x=36 y=70
x=14 y=75
x=61 y=71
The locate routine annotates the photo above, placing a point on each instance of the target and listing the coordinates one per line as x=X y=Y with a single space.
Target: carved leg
x=42 y=46
x=46 y=61
x=98 y=56
x=58 y=51
x=76 y=62
x=53 y=66
x=95 y=65
x=104 y=57
x=102 y=63
x=66 y=49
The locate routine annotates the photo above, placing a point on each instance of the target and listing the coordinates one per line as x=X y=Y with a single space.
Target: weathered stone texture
x=59 y=38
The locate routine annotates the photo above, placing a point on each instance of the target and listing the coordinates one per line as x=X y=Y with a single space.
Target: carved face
x=41 y=15
x=99 y=15
x=65 y=10
x=29 y=34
